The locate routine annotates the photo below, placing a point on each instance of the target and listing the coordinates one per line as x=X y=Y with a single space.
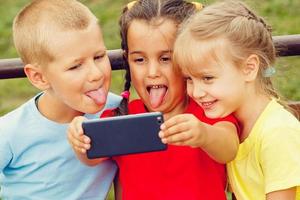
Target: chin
x=213 y=115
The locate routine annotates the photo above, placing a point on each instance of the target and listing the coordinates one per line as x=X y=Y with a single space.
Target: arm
x=117 y=187
x=288 y=194
x=80 y=143
x=220 y=140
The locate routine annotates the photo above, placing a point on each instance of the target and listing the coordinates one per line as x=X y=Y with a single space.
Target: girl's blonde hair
x=245 y=33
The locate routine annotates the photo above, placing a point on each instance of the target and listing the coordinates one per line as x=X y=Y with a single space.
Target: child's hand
x=183 y=130
x=79 y=142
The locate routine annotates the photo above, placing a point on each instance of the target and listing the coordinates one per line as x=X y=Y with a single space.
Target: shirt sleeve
x=280 y=159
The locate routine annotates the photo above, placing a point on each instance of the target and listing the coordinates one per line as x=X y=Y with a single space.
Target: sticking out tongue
x=99 y=96
x=157 y=95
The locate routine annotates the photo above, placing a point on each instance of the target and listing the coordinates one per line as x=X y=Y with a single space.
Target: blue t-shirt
x=37 y=162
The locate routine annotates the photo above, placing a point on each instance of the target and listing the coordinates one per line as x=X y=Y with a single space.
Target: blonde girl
x=226 y=53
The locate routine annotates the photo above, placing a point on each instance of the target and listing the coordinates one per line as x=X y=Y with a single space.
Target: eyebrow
x=99 y=51
x=139 y=52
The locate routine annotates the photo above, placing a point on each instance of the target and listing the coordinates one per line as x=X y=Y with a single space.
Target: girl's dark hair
x=148 y=10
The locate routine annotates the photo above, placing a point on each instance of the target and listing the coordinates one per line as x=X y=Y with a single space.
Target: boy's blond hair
x=35 y=25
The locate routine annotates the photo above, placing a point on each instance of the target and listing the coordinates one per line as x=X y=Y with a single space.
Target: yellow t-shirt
x=269 y=159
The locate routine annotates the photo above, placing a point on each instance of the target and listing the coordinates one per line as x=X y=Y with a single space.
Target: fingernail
x=86 y=140
x=161 y=134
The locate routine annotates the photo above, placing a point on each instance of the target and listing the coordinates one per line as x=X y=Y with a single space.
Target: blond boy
x=61 y=45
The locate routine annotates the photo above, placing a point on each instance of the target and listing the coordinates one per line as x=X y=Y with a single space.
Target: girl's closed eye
x=208 y=79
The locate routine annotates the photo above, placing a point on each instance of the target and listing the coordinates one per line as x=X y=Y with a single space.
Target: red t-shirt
x=180 y=172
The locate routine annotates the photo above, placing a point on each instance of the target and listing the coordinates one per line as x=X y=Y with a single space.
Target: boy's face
x=79 y=76
x=150 y=49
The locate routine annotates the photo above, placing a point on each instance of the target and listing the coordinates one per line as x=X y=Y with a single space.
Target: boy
x=61 y=45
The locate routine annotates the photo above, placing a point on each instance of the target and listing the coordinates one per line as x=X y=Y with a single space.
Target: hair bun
x=198 y=6
x=130 y=4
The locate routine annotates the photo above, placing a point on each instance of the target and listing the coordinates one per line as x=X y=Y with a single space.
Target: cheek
x=189 y=88
x=137 y=76
x=107 y=74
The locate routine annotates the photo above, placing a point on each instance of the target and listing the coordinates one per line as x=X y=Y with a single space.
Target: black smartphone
x=128 y=134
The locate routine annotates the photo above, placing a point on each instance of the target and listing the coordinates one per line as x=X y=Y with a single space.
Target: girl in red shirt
x=193 y=170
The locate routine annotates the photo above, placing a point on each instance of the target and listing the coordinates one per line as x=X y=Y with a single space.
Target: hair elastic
x=269 y=71
x=197 y=5
x=130 y=4
x=125 y=94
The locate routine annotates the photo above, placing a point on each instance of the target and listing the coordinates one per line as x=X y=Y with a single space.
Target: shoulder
x=113 y=100
x=276 y=119
x=136 y=106
x=18 y=118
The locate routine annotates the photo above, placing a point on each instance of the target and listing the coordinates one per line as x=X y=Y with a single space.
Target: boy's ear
x=36 y=77
x=251 y=68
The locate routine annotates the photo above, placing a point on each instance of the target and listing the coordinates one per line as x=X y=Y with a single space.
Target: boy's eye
x=74 y=67
x=99 y=57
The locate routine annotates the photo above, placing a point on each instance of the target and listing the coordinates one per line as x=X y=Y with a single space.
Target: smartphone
x=123 y=135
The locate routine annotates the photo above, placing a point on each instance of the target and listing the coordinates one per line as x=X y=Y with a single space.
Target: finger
x=173 y=121
x=77 y=130
x=81 y=144
x=78 y=141
x=176 y=129
x=80 y=150
x=183 y=138
x=78 y=124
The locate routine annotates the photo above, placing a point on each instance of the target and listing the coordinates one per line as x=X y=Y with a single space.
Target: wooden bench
x=286 y=45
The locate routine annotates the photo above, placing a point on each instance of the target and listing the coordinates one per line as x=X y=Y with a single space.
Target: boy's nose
x=95 y=72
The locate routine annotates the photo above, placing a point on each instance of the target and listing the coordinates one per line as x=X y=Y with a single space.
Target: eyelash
x=139 y=60
x=162 y=59
x=98 y=57
x=75 y=67
x=208 y=78
x=165 y=59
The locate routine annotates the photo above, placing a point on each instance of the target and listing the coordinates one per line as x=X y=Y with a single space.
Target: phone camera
x=159 y=120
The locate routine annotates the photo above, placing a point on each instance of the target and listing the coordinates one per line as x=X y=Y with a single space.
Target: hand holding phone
x=126 y=134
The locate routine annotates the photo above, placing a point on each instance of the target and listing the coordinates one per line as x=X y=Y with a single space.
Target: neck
x=178 y=109
x=55 y=110
x=249 y=112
